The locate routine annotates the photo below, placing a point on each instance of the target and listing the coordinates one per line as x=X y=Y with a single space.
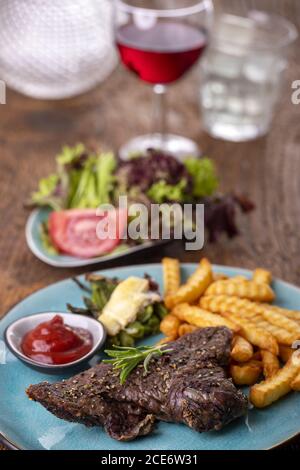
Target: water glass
x=242 y=72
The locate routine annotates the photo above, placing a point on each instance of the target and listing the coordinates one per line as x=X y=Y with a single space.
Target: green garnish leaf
x=126 y=360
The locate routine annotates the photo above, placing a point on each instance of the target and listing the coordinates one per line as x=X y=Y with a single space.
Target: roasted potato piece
x=270 y=390
x=245 y=374
x=244 y=289
x=201 y=318
x=169 y=326
x=242 y=350
x=256 y=336
x=195 y=285
x=249 y=310
x=185 y=329
x=285 y=352
x=171 y=277
x=270 y=364
x=262 y=276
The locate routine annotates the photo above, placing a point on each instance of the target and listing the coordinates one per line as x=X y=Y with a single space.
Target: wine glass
x=159 y=41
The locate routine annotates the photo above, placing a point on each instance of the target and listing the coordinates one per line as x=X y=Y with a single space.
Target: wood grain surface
x=268 y=169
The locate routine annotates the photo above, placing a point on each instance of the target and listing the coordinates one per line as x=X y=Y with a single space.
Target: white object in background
x=55 y=49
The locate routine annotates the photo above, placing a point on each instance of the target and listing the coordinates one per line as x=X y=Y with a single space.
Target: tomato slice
x=85 y=233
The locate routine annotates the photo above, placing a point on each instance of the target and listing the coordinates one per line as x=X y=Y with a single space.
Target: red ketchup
x=53 y=342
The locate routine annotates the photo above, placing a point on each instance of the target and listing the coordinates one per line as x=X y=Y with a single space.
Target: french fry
x=171 y=277
x=238 y=279
x=292 y=314
x=270 y=390
x=244 y=289
x=270 y=364
x=276 y=318
x=296 y=383
x=283 y=336
x=245 y=374
x=262 y=276
x=256 y=336
x=257 y=356
x=196 y=284
x=285 y=353
x=169 y=326
x=185 y=329
x=201 y=318
x=241 y=350
x=249 y=310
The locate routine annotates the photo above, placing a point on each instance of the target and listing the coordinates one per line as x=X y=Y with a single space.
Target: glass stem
x=160 y=111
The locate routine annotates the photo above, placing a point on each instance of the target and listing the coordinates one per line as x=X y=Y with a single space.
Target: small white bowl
x=16 y=331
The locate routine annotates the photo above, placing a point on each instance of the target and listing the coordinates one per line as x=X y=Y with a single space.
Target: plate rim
x=79 y=262
x=6 y=441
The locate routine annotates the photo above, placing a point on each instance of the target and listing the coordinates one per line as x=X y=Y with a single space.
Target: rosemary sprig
x=126 y=359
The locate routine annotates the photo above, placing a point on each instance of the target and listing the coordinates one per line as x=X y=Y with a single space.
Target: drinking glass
x=159 y=42
x=241 y=74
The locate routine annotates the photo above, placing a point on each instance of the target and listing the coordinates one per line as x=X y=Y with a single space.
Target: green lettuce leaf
x=70 y=154
x=105 y=169
x=203 y=172
x=47 y=194
x=161 y=192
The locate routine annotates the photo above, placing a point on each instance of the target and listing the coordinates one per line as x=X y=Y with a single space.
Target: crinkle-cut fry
x=277 y=319
x=270 y=390
x=241 y=349
x=283 y=336
x=270 y=363
x=250 y=310
x=262 y=276
x=201 y=318
x=244 y=289
x=196 y=284
x=245 y=374
x=171 y=277
x=285 y=353
x=238 y=279
x=219 y=277
x=296 y=383
x=292 y=314
x=169 y=326
x=185 y=329
x=255 y=335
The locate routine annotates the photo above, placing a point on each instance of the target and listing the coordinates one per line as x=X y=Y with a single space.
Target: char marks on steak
x=187 y=385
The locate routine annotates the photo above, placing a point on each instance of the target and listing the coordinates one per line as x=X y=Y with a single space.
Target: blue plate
x=28 y=425
x=34 y=242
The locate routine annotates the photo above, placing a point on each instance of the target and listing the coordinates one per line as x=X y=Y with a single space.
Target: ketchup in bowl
x=54 y=342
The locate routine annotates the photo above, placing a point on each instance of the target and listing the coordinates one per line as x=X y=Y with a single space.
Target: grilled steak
x=187 y=385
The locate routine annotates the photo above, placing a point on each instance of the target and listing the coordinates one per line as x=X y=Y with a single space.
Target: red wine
x=163 y=53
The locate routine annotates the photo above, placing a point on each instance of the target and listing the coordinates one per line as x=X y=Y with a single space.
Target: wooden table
x=268 y=169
